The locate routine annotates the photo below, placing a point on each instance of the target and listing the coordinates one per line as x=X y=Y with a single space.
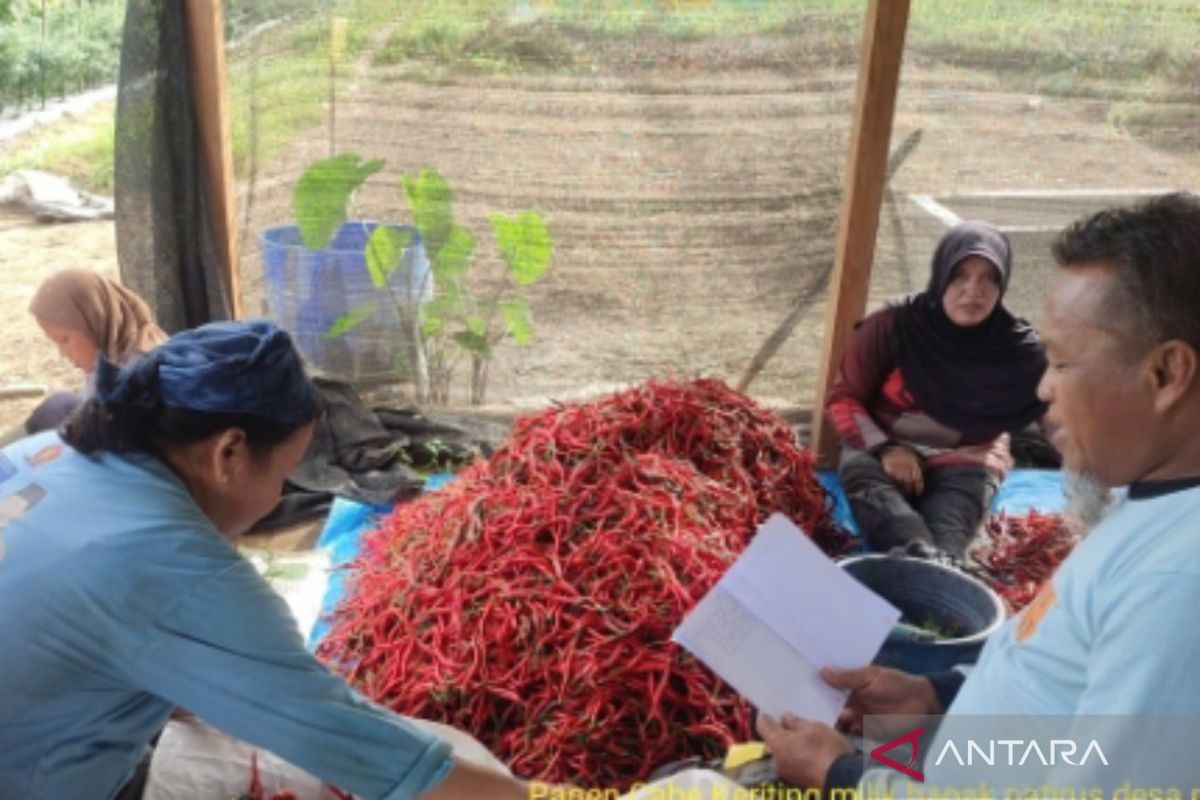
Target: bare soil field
x=692 y=196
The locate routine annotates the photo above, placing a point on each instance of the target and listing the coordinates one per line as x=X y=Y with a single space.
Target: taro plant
x=464 y=315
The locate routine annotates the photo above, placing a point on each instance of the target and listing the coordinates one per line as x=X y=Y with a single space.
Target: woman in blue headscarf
x=122 y=597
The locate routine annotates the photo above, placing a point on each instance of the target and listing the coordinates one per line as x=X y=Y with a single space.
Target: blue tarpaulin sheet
x=343 y=531
x=1022 y=491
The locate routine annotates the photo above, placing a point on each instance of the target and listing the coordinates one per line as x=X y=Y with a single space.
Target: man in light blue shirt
x=1122 y=332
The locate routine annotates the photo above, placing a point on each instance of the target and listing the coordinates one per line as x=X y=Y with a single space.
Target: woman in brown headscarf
x=87 y=315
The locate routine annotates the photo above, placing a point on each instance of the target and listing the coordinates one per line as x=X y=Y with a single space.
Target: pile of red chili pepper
x=1021 y=553
x=531 y=602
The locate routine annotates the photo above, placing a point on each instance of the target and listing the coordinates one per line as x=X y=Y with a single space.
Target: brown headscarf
x=114 y=318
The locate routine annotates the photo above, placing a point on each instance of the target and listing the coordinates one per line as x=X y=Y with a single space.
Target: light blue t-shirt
x=1109 y=646
x=1115 y=637
x=119 y=601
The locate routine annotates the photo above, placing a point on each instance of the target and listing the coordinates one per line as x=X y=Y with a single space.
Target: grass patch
x=273 y=102
x=1071 y=41
x=490 y=46
x=292 y=89
x=1123 y=49
x=493 y=36
x=80 y=149
x=285 y=89
x=702 y=19
x=1172 y=127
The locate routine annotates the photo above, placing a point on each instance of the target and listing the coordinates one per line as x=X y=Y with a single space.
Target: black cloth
x=844 y=773
x=53 y=412
x=1146 y=490
x=980 y=380
x=1030 y=450
x=946 y=685
x=375 y=456
x=166 y=247
x=135 y=787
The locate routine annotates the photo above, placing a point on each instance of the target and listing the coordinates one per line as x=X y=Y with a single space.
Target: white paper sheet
x=782 y=612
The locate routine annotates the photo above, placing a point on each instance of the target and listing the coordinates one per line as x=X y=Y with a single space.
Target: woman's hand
x=880 y=690
x=903 y=466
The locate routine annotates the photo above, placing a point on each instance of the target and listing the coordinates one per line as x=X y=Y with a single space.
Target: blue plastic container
x=928 y=593
x=307 y=291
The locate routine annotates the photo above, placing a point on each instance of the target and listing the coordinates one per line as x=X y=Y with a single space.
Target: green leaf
x=431 y=200
x=445 y=306
x=455 y=297
x=474 y=344
x=477 y=326
x=385 y=248
x=287 y=572
x=324 y=191
x=431 y=326
x=350 y=320
x=525 y=245
x=518 y=319
x=452 y=260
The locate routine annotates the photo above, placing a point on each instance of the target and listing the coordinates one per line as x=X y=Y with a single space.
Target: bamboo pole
x=866 y=171
x=206 y=59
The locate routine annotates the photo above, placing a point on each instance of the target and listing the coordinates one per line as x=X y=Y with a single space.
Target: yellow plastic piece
x=743 y=753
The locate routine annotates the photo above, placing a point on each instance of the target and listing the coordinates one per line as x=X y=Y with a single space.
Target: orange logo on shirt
x=45 y=455
x=1032 y=616
x=14 y=505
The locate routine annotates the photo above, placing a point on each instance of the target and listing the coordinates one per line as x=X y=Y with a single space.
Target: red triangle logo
x=911 y=738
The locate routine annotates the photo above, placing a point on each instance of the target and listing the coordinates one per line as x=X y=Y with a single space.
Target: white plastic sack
x=194 y=760
x=49 y=197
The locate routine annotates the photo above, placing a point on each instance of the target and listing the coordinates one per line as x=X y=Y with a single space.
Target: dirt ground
x=688 y=205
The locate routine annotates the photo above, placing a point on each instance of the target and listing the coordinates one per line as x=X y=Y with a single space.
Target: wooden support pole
x=206 y=59
x=862 y=196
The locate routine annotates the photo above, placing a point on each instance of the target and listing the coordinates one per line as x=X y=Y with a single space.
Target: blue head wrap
x=222 y=368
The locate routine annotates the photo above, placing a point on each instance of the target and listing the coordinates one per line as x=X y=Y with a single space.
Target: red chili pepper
x=255 y=790
x=532 y=600
x=1019 y=554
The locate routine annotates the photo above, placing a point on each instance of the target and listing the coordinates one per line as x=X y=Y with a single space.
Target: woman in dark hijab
x=927 y=391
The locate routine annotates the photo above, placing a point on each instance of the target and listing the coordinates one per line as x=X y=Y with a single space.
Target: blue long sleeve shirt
x=119 y=601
